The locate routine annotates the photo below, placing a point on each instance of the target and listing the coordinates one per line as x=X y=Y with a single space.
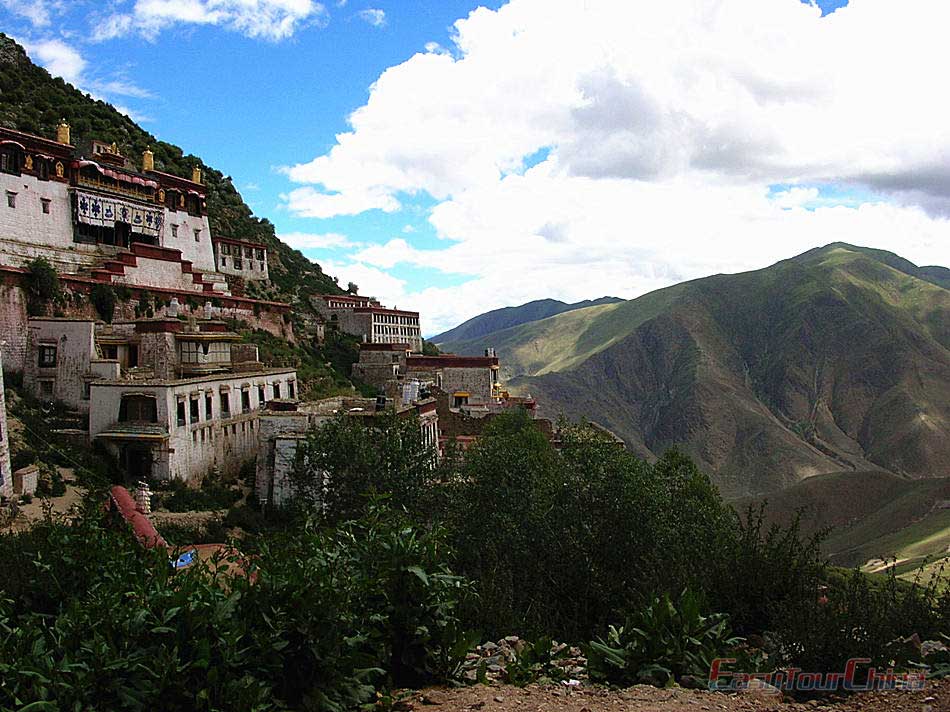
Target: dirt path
x=552 y=698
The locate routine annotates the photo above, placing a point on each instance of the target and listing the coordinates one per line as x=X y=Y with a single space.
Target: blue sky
x=536 y=149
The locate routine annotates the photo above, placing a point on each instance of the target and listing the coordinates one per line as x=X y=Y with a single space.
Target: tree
x=354 y=455
x=352 y=288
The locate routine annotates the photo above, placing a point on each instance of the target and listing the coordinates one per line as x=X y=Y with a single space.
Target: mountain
x=477 y=328
x=838 y=359
x=893 y=518
x=33 y=101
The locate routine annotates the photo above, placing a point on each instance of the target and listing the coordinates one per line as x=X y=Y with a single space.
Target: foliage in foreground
x=88 y=620
x=661 y=643
x=566 y=543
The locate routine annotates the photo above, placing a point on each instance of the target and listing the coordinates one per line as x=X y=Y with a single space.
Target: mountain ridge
x=508 y=317
x=836 y=359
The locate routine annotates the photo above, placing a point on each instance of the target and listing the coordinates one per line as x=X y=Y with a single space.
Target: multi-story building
x=367 y=319
x=94 y=213
x=470 y=381
x=169 y=398
x=237 y=258
x=284 y=425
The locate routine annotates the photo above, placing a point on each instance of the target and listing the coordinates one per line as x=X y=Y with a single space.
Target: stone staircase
x=145 y=265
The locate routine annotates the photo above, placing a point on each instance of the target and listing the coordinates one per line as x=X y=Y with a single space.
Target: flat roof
x=168 y=382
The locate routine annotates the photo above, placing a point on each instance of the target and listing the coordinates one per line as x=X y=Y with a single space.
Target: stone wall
x=6 y=476
x=27 y=219
x=74 y=341
x=199 y=251
x=13 y=317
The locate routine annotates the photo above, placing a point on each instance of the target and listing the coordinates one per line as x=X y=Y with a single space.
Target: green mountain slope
x=838 y=359
x=892 y=519
x=33 y=101
x=485 y=324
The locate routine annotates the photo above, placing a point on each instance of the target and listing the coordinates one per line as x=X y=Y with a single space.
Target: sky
x=453 y=157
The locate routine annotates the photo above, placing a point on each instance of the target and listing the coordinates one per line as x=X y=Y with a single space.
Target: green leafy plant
x=104 y=299
x=42 y=285
x=536 y=661
x=661 y=643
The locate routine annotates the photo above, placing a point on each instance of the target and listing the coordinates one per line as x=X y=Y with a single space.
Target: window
x=197 y=235
x=138 y=409
x=42 y=170
x=276 y=390
x=260 y=254
x=238 y=263
x=86 y=390
x=11 y=199
x=47 y=356
x=224 y=261
x=245 y=401
x=46 y=388
x=207 y=406
x=225 y=249
x=225 y=405
x=10 y=161
x=44 y=202
x=261 y=398
x=174 y=230
x=290 y=389
x=181 y=412
x=194 y=410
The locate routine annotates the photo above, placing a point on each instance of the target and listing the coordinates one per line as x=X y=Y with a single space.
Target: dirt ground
x=33 y=512
x=552 y=698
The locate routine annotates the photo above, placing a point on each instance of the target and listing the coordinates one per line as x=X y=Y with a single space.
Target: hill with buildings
x=838 y=359
x=33 y=101
x=460 y=339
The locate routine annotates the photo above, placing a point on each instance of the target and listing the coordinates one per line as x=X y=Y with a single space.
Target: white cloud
x=303 y=240
x=260 y=19
x=373 y=16
x=58 y=58
x=37 y=12
x=664 y=125
x=62 y=60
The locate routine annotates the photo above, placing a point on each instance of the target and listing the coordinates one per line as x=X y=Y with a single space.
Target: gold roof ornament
x=148 y=160
x=196 y=175
x=62 y=132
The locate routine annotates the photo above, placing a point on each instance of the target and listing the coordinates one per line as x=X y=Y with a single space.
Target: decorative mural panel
x=94 y=209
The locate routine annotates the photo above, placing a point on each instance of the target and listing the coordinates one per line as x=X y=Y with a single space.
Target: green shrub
x=42 y=285
x=90 y=620
x=211 y=495
x=104 y=299
x=661 y=643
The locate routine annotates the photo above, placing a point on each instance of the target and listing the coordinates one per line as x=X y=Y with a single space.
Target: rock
x=499 y=699
x=691 y=683
x=761 y=689
x=433 y=698
x=929 y=647
x=490 y=646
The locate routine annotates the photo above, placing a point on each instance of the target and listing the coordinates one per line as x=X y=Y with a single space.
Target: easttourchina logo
x=856 y=677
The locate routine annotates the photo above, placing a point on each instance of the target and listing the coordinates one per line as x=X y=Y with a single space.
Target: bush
x=104 y=299
x=211 y=495
x=661 y=643
x=42 y=285
x=90 y=620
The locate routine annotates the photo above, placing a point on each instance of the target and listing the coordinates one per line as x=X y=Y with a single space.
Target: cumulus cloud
x=304 y=240
x=260 y=19
x=59 y=59
x=583 y=147
x=373 y=16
